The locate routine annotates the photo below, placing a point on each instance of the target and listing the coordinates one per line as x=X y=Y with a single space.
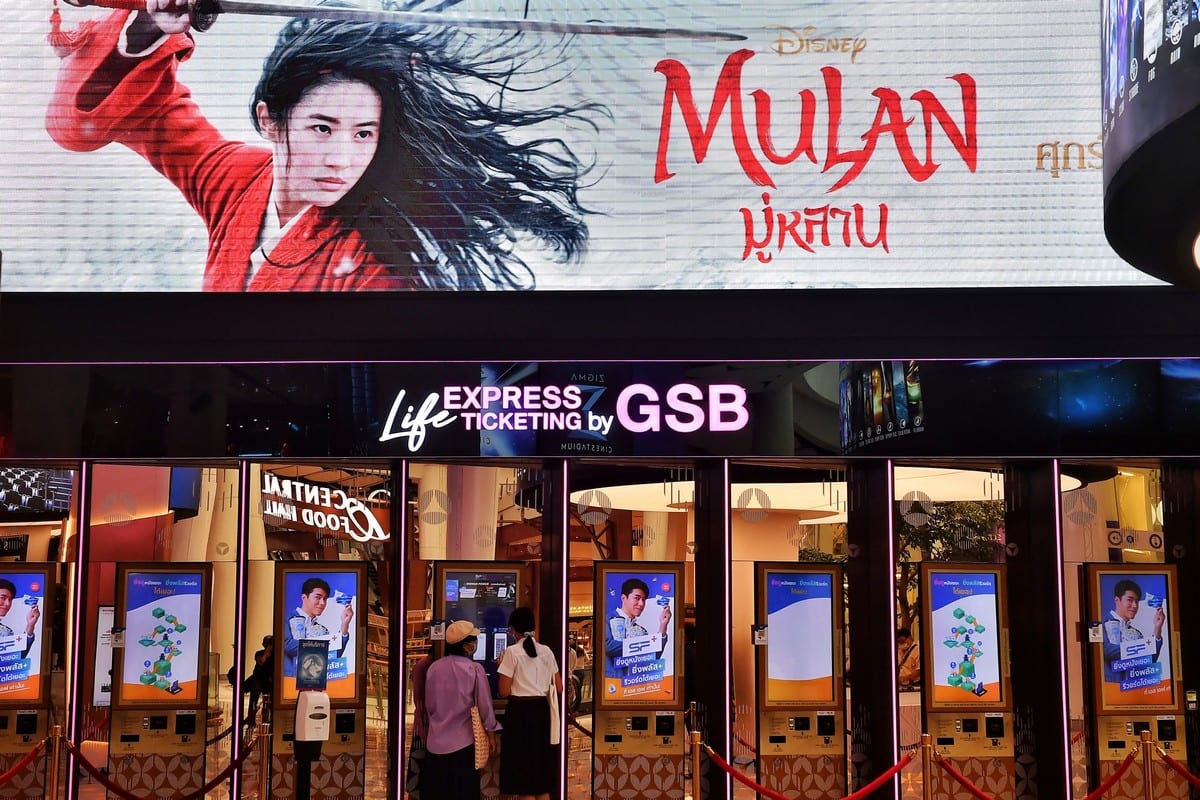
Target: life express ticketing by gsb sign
x=567 y=410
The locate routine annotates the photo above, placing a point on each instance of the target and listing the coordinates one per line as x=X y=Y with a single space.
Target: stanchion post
x=55 y=762
x=1147 y=774
x=264 y=760
x=695 y=764
x=926 y=766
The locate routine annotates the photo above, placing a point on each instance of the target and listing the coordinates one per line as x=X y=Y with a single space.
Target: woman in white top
x=528 y=764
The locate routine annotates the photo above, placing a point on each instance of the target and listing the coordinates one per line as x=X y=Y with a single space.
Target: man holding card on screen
x=305 y=624
x=623 y=633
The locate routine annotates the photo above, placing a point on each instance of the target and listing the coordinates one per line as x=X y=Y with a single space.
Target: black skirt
x=528 y=763
x=450 y=776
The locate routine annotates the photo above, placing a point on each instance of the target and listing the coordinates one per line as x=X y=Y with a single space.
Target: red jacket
x=104 y=97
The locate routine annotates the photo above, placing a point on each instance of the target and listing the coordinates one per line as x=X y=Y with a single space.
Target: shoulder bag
x=483 y=750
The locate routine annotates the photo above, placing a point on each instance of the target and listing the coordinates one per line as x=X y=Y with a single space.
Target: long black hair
x=521 y=620
x=456 y=179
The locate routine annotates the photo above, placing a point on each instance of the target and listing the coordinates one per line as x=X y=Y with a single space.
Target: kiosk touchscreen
x=320 y=645
x=639 y=675
x=1135 y=674
x=800 y=688
x=965 y=668
x=25 y=589
x=485 y=593
x=160 y=674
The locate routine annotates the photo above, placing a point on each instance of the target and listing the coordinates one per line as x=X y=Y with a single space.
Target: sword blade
x=283 y=8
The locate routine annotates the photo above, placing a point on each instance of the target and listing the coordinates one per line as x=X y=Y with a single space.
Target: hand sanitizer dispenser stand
x=311 y=731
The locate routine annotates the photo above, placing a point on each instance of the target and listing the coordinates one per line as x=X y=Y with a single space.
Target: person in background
x=262 y=680
x=454 y=684
x=908 y=659
x=528 y=764
x=420 y=730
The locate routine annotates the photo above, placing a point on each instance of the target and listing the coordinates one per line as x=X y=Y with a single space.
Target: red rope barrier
x=738 y=776
x=745 y=744
x=773 y=795
x=1111 y=780
x=882 y=779
x=219 y=736
x=22 y=764
x=579 y=727
x=1078 y=735
x=127 y=795
x=962 y=779
x=1180 y=768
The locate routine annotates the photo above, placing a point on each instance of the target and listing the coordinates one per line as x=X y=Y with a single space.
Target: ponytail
x=522 y=622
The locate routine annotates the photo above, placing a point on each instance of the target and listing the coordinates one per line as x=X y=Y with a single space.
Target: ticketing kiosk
x=485 y=593
x=160 y=677
x=638 y=732
x=965 y=673
x=25 y=589
x=1135 y=675
x=797 y=634
x=320 y=645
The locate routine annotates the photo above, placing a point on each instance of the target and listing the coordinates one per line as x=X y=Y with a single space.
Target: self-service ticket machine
x=320 y=648
x=1135 y=675
x=24 y=672
x=965 y=675
x=485 y=593
x=638 y=730
x=160 y=678
x=799 y=623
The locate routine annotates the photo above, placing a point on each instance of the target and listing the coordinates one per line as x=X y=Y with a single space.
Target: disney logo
x=415 y=423
x=791 y=42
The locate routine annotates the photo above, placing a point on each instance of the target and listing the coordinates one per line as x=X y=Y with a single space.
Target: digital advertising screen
x=802 y=610
x=24 y=633
x=964 y=665
x=636 y=607
x=1134 y=626
x=320 y=623
x=485 y=594
x=164 y=616
x=696 y=145
x=102 y=677
x=879 y=400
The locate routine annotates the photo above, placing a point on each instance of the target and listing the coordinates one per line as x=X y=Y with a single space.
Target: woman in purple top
x=453 y=684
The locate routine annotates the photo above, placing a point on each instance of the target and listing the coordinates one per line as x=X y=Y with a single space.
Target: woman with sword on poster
x=381 y=172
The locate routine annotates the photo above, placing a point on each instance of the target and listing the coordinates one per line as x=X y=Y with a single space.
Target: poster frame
x=283 y=608
x=47 y=572
x=1098 y=607
x=600 y=610
x=762 y=571
x=927 y=638
x=120 y=625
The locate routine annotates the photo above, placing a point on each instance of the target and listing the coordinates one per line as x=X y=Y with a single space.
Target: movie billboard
x=319 y=608
x=1133 y=612
x=485 y=594
x=964 y=666
x=24 y=632
x=163 y=611
x=557 y=146
x=802 y=609
x=636 y=605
